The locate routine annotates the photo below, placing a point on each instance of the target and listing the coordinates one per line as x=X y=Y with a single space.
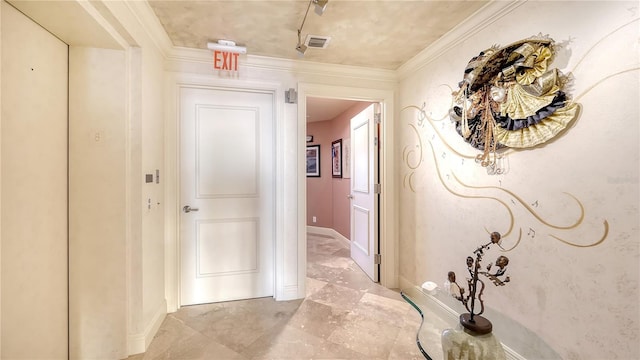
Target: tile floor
x=344 y=316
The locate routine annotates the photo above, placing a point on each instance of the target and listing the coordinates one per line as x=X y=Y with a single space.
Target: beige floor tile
x=405 y=347
x=242 y=322
x=344 y=316
x=323 y=245
x=337 y=296
x=353 y=277
x=177 y=341
x=364 y=333
x=384 y=292
x=318 y=319
x=314 y=285
x=332 y=261
x=346 y=253
x=387 y=312
x=292 y=343
x=171 y=332
x=323 y=273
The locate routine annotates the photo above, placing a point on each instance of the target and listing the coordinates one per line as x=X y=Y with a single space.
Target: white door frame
x=388 y=238
x=172 y=186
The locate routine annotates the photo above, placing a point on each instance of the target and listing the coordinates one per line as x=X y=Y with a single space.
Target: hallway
x=344 y=316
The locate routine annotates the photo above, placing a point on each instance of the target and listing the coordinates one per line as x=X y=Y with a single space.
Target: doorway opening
x=315 y=219
x=330 y=181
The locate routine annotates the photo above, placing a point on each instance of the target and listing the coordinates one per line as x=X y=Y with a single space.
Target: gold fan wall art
x=510 y=98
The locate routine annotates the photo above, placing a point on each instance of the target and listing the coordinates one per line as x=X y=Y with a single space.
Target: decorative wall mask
x=510 y=97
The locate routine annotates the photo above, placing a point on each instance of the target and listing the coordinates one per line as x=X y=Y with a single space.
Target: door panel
x=217 y=138
x=364 y=203
x=361 y=219
x=34 y=190
x=227 y=171
x=241 y=255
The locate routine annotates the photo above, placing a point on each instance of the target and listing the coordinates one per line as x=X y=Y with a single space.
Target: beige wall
x=34 y=189
x=118 y=297
x=147 y=304
x=97 y=201
x=581 y=301
x=110 y=197
x=154 y=303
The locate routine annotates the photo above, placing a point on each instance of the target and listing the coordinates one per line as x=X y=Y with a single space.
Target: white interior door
x=227 y=194
x=34 y=190
x=364 y=199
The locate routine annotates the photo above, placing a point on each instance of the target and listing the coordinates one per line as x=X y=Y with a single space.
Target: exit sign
x=223 y=60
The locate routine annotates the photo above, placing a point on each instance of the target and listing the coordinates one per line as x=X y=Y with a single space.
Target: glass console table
x=431 y=325
x=437 y=309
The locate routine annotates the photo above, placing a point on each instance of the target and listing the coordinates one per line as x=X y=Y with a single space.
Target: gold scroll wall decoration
x=413 y=157
x=494 y=155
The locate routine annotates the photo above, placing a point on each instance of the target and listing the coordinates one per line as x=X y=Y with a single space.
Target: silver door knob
x=189 y=209
x=350 y=196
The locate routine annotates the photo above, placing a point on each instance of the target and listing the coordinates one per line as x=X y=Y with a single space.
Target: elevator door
x=34 y=197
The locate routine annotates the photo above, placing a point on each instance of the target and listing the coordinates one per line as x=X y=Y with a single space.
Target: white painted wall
x=582 y=302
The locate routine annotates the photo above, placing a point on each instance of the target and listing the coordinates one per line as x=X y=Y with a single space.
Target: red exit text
x=225 y=60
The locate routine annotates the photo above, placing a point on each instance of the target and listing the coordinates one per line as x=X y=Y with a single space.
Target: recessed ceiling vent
x=317 y=41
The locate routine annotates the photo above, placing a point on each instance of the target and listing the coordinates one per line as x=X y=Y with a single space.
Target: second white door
x=364 y=197
x=227 y=195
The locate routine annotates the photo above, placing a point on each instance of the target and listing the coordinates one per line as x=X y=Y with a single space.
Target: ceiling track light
x=227 y=46
x=301 y=48
x=320 y=6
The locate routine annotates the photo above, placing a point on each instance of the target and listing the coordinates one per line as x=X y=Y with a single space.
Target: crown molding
x=299 y=67
x=475 y=23
x=151 y=25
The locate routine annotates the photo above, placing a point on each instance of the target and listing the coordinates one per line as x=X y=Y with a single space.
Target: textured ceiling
x=321 y=109
x=378 y=34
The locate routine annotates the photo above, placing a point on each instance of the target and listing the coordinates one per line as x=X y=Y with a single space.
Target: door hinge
x=377 y=259
x=377 y=188
x=377 y=118
x=291 y=96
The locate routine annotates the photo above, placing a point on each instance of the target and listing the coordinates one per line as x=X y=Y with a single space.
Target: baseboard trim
x=290 y=292
x=139 y=343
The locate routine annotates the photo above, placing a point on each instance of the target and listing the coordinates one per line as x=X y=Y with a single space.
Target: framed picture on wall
x=346 y=158
x=336 y=158
x=313 y=160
